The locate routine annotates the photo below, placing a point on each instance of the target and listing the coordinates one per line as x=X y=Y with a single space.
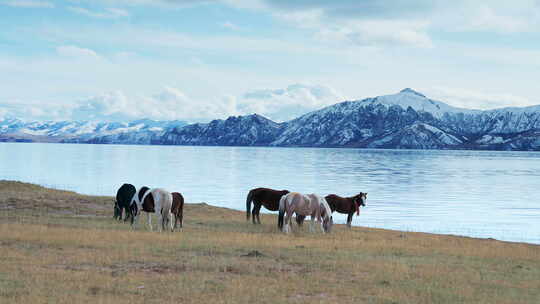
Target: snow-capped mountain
x=251 y=130
x=406 y=120
x=135 y=132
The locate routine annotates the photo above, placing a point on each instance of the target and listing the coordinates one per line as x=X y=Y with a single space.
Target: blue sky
x=197 y=60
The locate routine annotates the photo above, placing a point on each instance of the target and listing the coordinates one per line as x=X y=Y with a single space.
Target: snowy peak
x=81 y=131
x=419 y=102
x=411 y=91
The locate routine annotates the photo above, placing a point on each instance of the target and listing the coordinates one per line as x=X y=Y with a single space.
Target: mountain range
x=406 y=120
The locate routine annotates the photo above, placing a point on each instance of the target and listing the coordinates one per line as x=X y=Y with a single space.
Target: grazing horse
x=122 y=202
x=269 y=198
x=137 y=205
x=347 y=205
x=311 y=204
x=177 y=208
x=162 y=201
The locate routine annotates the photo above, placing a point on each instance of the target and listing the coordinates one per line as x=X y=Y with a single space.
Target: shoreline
x=66 y=248
x=268 y=213
x=264 y=211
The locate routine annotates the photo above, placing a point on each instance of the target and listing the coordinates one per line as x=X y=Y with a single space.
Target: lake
x=471 y=193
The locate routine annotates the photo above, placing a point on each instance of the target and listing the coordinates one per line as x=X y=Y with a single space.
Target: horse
x=269 y=198
x=311 y=204
x=137 y=205
x=347 y=205
x=122 y=202
x=161 y=200
x=177 y=209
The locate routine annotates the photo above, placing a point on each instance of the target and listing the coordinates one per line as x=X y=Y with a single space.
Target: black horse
x=123 y=200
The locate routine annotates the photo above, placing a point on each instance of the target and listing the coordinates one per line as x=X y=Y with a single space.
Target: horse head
x=360 y=199
x=326 y=213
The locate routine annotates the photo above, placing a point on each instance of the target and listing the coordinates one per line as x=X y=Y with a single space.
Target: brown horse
x=347 y=205
x=269 y=198
x=178 y=209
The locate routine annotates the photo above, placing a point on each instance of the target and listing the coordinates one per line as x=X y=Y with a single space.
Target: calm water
x=473 y=193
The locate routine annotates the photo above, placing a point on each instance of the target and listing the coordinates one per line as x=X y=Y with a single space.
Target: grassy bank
x=62 y=247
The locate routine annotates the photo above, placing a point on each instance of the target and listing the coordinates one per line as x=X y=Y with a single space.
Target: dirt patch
x=254 y=254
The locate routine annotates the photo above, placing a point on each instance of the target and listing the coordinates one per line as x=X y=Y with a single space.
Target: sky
x=197 y=60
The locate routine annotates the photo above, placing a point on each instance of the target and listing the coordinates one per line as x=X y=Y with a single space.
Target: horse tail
x=281 y=215
x=249 y=199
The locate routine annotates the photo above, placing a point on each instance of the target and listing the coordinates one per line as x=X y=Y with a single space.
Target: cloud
x=172 y=103
x=357 y=22
x=475 y=99
x=76 y=52
x=28 y=3
x=405 y=23
x=108 y=13
x=379 y=33
x=168 y=104
x=288 y=103
x=229 y=25
x=35 y=110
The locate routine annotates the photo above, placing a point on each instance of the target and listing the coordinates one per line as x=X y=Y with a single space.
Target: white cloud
x=76 y=52
x=229 y=25
x=378 y=32
x=361 y=31
x=409 y=23
x=169 y=104
x=172 y=103
x=35 y=110
x=108 y=13
x=476 y=99
x=288 y=103
x=28 y=3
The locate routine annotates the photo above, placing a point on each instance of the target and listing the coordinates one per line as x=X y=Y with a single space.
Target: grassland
x=62 y=247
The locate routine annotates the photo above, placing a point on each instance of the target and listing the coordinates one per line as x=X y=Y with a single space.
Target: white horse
x=157 y=201
x=311 y=204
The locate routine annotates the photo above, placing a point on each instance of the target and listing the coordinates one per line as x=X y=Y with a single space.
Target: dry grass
x=61 y=247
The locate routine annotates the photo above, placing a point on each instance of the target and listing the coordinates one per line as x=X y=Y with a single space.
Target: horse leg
x=181 y=219
x=290 y=222
x=163 y=220
x=287 y=222
x=128 y=213
x=255 y=213
x=160 y=221
x=169 y=216
x=150 y=221
x=312 y=224
x=321 y=221
x=349 y=219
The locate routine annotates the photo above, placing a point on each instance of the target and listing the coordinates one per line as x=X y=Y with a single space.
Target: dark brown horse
x=347 y=205
x=269 y=198
x=178 y=208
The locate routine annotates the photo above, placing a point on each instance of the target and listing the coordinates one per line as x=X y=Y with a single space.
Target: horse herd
x=170 y=205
